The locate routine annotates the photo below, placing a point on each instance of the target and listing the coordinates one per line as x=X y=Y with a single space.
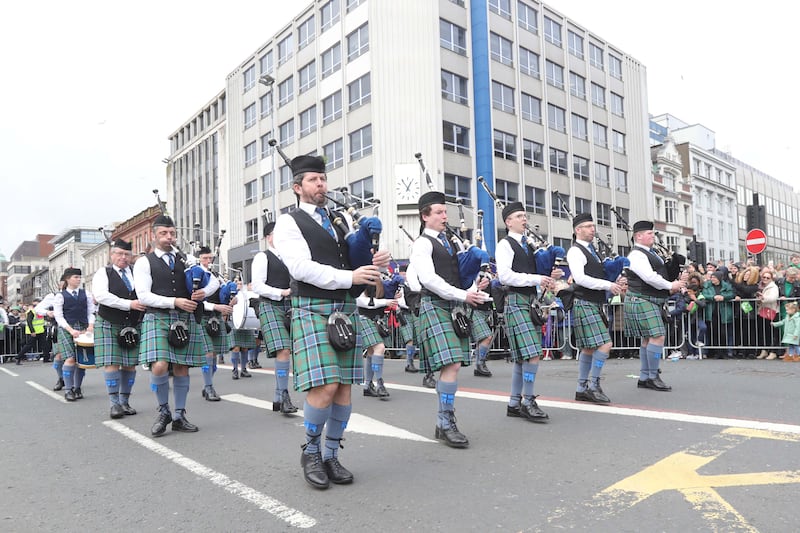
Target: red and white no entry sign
x=756 y=241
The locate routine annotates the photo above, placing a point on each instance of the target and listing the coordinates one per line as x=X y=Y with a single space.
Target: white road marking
x=47 y=391
x=293 y=517
x=9 y=372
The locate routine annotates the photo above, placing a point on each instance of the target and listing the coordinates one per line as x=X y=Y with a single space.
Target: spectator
x=719 y=315
x=791 y=329
x=767 y=308
x=745 y=286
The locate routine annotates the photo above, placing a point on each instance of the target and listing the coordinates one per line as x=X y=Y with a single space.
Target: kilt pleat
x=525 y=339
x=437 y=337
x=314 y=360
x=643 y=316
x=243 y=338
x=590 y=330
x=407 y=329
x=153 y=345
x=270 y=316
x=480 y=325
x=369 y=332
x=107 y=350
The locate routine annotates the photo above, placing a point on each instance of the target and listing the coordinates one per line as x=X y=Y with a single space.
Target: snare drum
x=244 y=316
x=84 y=350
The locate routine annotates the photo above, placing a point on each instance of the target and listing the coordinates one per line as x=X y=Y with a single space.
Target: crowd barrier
x=12 y=339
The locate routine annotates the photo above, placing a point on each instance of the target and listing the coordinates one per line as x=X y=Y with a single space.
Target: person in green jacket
x=791 y=332
x=719 y=294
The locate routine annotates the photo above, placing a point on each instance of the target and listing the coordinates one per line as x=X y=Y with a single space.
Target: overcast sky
x=92 y=89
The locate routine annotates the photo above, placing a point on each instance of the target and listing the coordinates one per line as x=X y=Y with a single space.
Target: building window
x=362 y=190
x=618 y=139
x=580 y=168
x=502 y=97
x=251 y=230
x=500 y=49
x=358 y=42
x=621 y=180
x=266 y=149
x=554 y=74
x=307 y=77
x=352 y=4
x=361 y=143
x=454 y=88
x=531 y=108
x=595 y=56
x=599 y=135
x=265 y=63
x=552 y=31
x=249 y=116
x=250 y=192
x=359 y=92
x=671 y=212
x=334 y=154
x=558 y=207
x=575 y=44
x=556 y=118
x=507 y=191
x=505 y=145
x=267 y=185
x=669 y=180
x=308 y=121
x=250 y=154
x=577 y=85
x=558 y=161
x=452 y=37
x=622 y=213
x=331 y=60
x=285 y=49
x=329 y=14
x=582 y=205
x=598 y=95
x=579 y=127
x=603 y=214
x=286 y=177
x=457 y=188
x=332 y=108
x=266 y=104
x=249 y=78
x=285 y=91
x=532 y=153
x=615 y=66
x=286 y=132
x=456 y=138
x=526 y=17
x=535 y=200
x=617 y=106
x=529 y=62
x=305 y=32
x=501 y=7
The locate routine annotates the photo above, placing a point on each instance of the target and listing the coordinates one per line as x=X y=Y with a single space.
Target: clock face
x=407 y=189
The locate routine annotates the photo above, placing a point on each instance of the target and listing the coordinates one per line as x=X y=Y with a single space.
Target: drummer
x=73 y=309
x=117 y=339
x=241 y=341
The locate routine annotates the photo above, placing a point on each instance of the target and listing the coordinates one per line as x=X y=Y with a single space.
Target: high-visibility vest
x=38 y=324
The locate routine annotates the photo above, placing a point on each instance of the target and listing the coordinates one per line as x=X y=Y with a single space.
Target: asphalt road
x=716 y=454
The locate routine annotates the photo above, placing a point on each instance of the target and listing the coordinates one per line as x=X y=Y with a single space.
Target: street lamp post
x=269 y=82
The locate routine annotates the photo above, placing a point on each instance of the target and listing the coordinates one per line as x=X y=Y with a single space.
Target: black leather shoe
x=78 y=393
x=411 y=369
x=116 y=411
x=429 y=381
x=381 y=391
x=59 y=384
x=235 y=374
x=642 y=384
x=221 y=359
x=285 y=406
x=532 y=412
x=314 y=470
x=370 y=391
x=210 y=394
x=336 y=472
x=657 y=384
x=127 y=409
x=19 y=359
x=181 y=424
x=481 y=370
x=245 y=374
x=70 y=395
x=162 y=419
x=452 y=436
x=592 y=395
x=512 y=411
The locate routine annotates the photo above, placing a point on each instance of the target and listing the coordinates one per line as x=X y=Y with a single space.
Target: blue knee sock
x=180 y=385
x=160 y=385
x=127 y=379
x=235 y=360
x=447 y=396
x=516 y=385
x=69 y=376
x=58 y=365
x=644 y=364
x=377 y=366
x=654 y=352
x=208 y=371
x=79 y=374
x=112 y=384
x=368 y=372
x=598 y=360
x=281 y=378
x=584 y=367
x=410 y=350
x=337 y=422
x=483 y=351
x=528 y=377
x=314 y=421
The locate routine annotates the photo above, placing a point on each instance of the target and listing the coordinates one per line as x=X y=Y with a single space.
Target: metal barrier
x=12 y=339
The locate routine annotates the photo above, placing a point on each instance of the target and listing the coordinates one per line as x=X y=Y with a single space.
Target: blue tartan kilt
x=271 y=314
x=314 y=360
x=153 y=345
x=524 y=339
x=643 y=316
x=245 y=339
x=220 y=343
x=107 y=350
x=437 y=338
x=590 y=330
x=369 y=332
x=66 y=344
x=407 y=329
x=480 y=324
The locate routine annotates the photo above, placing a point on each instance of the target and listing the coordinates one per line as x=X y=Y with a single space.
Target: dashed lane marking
x=47 y=391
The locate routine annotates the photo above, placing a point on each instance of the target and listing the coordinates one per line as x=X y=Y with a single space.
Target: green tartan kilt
x=220 y=343
x=66 y=344
x=245 y=339
x=438 y=339
x=407 y=329
x=524 y=339
x=153 y=345
x=276 y=337
x=643 y=316
x=107 y=350
x=480 y=325
x=590 y=330
x=424 y=362
x=314 y=360
x=369 y=332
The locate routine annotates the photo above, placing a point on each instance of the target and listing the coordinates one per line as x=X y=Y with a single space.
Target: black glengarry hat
x=643 y=225
x=307 y=163
x=580 y=218
x=163 y=220
x=430 y=198
x=512 y=208
x=269 y=227
x=122 y=244
x=70 y=271
x=203 y=250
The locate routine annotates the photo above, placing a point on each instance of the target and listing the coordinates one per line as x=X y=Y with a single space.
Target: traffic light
x=756 y=217
x=697 y=252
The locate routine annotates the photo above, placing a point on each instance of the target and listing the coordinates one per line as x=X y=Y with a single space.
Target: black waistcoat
x=639 y=286
x=166 y=282
x=277 y=273
x=117 y=287
x=444 y=263
x=522 y=263
x=593 y=269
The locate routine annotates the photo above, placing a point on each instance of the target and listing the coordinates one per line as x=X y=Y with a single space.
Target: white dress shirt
x=504 y=256
x=640 y=265
x=101 y=293
x=577 y=261
x=258 y=273
x=43 y=307
x=422 y=260
x=58 y=308
x=143 y=281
